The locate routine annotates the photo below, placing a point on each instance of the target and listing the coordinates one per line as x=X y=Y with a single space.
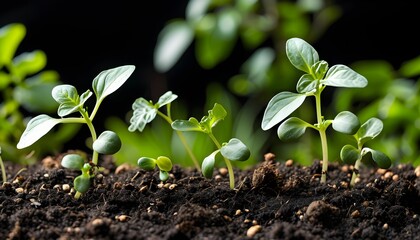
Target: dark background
x=82 y=38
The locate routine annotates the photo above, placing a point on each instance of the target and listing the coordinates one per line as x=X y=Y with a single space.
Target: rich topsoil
x=273 y=201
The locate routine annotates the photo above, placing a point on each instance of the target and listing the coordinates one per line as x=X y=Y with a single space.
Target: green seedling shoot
x=70 y=101
x=354 y=155
x=311 y=84
x=163 y=163
x=3 y=169
x=234 y=150
x=145 y=111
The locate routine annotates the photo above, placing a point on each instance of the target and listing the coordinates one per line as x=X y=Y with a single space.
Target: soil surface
x=273 y=201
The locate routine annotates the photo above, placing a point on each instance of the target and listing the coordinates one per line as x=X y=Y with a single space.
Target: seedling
x=354 y=155
x=3 y=169
x=163 y=163
x=145 y=111
x=70 y=101
x=317 y=76
x=234 y=150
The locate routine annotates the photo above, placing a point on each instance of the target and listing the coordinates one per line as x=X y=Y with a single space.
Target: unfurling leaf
x=164 y=163
x=369 y=130
x=380 y=158
x=143 y=113
x=82 y=183
x=68 y=98
x=166 y=98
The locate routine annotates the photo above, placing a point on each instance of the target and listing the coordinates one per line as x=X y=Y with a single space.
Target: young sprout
x=145 y=111
x=3 y=169
x=163 y=163
x=234 y=150
x=354 y=155
x=311 y=84
x=70 y=102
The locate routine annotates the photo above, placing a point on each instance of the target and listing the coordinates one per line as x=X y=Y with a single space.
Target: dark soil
x=273 y=201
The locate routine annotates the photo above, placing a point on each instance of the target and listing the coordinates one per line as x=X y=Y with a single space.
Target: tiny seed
x=289 y=163
x=46 y=175
x=417 y=171
x=247 y=221
x=66 y=187
x=172 y=186
x=97 y=222
x=269 y=156
x=57 y=187
x=223 y=171
x=345 y=168
x=227 y=218
x=122 y=218
x=218 y=178
x=143 y=189
x=254 y=222
x=385 y=226
x=357 y=180
x=166 y=185
x=16 y=181
x=19 y=190
x=344 y=184
x=395 y=177
x=381 y=171
x=238 y=212
x=253 y=230
x=355 y=214
x=388 y=175
x=118 y=185
x=365 y=204
x=160 y=185
x=246 y=210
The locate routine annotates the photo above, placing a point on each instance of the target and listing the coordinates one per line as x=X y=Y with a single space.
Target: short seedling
x=352 y=155
x=3 y=169
x=145 y=111
x=234 y=150
x=317 y=76
x=163 y=163
x=70 y=101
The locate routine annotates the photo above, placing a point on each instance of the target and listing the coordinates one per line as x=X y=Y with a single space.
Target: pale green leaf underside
x=108 y=81
x=36 y=128
x=183 y=125
x=166 y=98
x=343 y=76
x=235 y=150
x=280 y=107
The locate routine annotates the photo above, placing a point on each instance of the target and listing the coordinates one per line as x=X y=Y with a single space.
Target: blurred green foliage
x=25 y=88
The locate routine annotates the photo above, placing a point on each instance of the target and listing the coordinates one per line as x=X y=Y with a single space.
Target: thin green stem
x=182 y=138
x=323 y=136
x=88 y=120
x=227 y=162
x=3 y=170
x=356 y=167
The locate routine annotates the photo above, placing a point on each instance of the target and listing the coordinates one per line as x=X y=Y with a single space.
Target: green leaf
x=369 y=130
x=163 y=175
x=183 y=125
x=196 y=9
x=235 y=150
x=107 y=143
x=207 y=165
x=28 y=96
x=30 y=62
x=301 y=54
x=346 y=122
x=216 y=114
x=307 y=83
x=143 y=113
x=36 y=128
x=68 y=98
x=172 y=42
x=319 y=69
x=343 y=76
x=280 y=107
x=380 y=158
x=82 y=183
x=147 y=163
x=292 y=129
x=73 y=161
x=165 y=99
x=108 y=81
x=11 y=35
x=350 y=154
x=164 y=163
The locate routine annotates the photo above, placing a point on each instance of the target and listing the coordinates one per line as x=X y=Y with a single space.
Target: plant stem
x=95 y=154
x=356 y=167
x=323 y=136
x=227 y=162
x=3 y=170
x=182 y=138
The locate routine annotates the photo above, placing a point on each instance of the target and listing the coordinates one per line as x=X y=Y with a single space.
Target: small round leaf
x=147 y=163
x=82 y=183
x=208 y=164
x=235 y=150
x=73 y=161
x=350 y=154
x=346 y=122
x=107 y=143
x=380 y=158
x=164 y=163
x=292 y=129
